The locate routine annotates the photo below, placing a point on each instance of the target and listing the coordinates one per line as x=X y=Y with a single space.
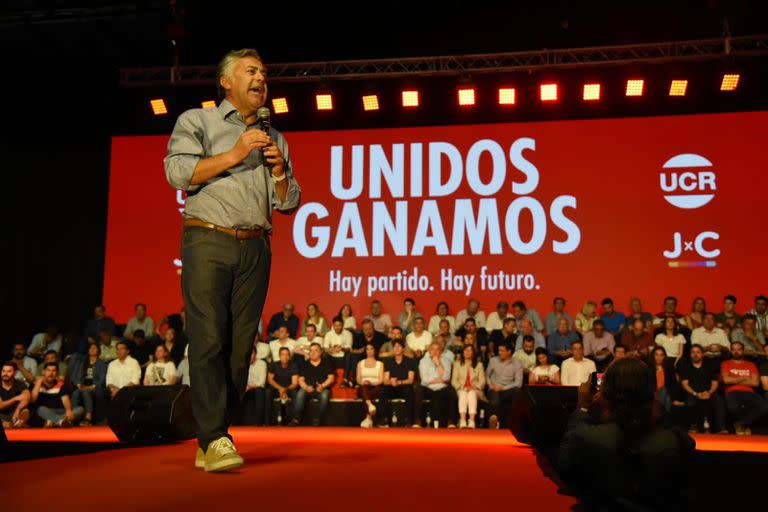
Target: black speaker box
x=540 y=413
x=152 y=414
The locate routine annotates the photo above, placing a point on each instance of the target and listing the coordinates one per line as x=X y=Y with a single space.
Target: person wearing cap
x=235 y=170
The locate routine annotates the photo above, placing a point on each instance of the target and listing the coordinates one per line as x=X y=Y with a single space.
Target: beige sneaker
x=199 y=458
x=222 y=456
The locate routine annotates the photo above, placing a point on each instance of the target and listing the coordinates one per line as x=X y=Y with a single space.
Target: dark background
x=62 y=103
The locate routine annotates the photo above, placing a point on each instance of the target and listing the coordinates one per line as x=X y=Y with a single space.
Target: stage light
x=280 y=105
x=730 y=82
x=209 y=104
x=506 y=96
x=548 y=92
x=324 y=101
x=158 y=107
x=591 y=92
x=410 y=98
x=371 y=102
x=678 y=87
x=466 y=97
x=635 y=87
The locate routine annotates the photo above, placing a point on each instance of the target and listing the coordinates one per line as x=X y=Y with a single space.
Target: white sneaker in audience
x=462 y=424
x=471 y=424
x=366 y=423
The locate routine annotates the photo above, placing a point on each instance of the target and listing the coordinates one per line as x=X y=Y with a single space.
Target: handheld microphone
x=262 y=116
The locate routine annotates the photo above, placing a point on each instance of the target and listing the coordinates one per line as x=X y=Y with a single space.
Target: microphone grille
x=263 y=113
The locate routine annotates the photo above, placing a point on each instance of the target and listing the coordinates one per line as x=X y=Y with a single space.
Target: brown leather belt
x=239 y=234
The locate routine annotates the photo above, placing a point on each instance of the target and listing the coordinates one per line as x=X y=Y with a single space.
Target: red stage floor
x=322 y=468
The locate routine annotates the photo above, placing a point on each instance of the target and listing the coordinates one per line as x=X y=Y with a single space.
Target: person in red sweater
x=741 y=377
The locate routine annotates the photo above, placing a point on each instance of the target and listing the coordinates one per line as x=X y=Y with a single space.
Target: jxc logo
x=685 y=186
x=696 y=244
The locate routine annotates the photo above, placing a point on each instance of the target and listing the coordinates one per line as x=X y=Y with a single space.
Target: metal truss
x=465 y=65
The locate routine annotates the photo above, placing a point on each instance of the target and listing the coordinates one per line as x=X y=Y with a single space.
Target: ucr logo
x=691 y=182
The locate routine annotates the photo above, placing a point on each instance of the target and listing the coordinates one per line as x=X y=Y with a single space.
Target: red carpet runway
x=341 y=469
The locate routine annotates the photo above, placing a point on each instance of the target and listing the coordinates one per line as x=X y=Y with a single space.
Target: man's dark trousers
x=224 y=283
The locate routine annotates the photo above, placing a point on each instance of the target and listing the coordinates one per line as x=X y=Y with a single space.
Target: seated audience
x=496 y=319
x=444 y=330
x=254 y=402
x=315 y=380
x=285 y=318
x=51 y=395
x=52 y=357
x=636 y=311
x=613 y=320
x=741 y=378
x=140 y=348
x=472 y=311
x=525 y=354
x=368 y=334
x=670 y=309
x=637 y=340
x=615 y=456
x=408 y=316
x=559 y=341
x=174 y=344
x=88 y=376
x=123 y=371
x=386 y=351
x=576 y=370
x=668 y=391
x=699 y=380
x=139 y=322
x=14 y=398
x=552 y=321
x=419 y=339
x=26 y=367
x=619 y=352
x=521 y=312
x=99 y=322
x=382 y=322
x=435 y=372
x=314 y=318
x=749 y=335
x=283 y=379
x=301 y=347
x=337 y=343
x=468 y=379
x=696 y=318
x=442 y=314
x=505 y=378
x=586 y=318
x=507 y=334
x=670 y=339
x=399 y=379
x=44 y=342
x=598 y=343
x=370 y=376
x=728 y=319
x=713 y=339
x=161 y=371
x=544 y=372
x=345 y=313
x=761 y=313
x=107 y=345
x=527 y=328
x=282 y=339
x=470 y=326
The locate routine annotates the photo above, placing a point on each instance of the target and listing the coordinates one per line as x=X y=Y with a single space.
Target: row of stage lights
x=466 y=96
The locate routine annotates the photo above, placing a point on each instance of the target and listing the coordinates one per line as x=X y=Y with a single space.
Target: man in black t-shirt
x=315 y=379
x=399 y=378
x=699 y=379
x=283 y=380
x=140 y=349
x=507 y=334
x=14 y=398
x=52 y=396
x=366 y=335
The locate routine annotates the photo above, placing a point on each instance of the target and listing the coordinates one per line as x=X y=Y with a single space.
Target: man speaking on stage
x=235 y=169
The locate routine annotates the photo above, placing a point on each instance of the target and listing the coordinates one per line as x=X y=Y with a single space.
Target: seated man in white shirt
x=139 y=322
x=418 y=341
x=496 y=319
x=577 y=369
x=435 y=371
x=26 y=367
x=254 y=402
x=526 y=355
x=301 y=348
x=123 y=371
x=284 y=340
x=43 y=342
x=337 y=343
x=713 y=339
x=442 y=314
x=472 y=311
x=108 y=346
